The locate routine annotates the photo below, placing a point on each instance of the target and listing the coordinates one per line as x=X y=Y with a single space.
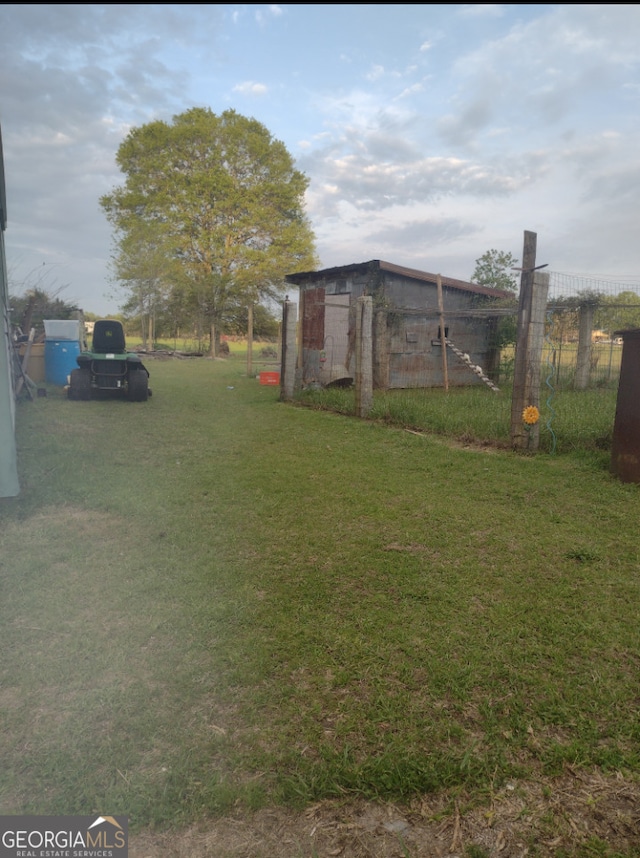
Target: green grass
x=574 y=420
x=215 y=597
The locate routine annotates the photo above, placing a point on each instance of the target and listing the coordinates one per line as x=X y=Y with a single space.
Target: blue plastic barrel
x=59 y=359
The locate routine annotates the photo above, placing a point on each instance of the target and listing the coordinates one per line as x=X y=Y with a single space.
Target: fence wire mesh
x=603 y=306
x=582 y=345
x=583 y=319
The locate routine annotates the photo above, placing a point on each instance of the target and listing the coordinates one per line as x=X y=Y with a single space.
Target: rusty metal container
x=625 y=449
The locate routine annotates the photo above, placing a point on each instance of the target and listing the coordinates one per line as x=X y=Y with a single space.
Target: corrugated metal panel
x=625 y=447
x=448 y=282
x=302 y=277
x=313 y=318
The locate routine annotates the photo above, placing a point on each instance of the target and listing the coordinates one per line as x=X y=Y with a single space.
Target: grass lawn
x=570 y=420
x=214 y=599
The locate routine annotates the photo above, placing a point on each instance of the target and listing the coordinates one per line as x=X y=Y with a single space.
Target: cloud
x=547 y=70
x=432 y=127
x=462 y=128
x=375 y=73
x=62 y=70
x=421 y=233
x=411 y=90
x=68 y=103
x=410 y=236
x=481 y=10
x=369 y=185
x=380 y=161
x=250 y=87
x=268 y=11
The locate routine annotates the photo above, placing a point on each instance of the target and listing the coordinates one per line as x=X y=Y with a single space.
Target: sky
x=429 y=133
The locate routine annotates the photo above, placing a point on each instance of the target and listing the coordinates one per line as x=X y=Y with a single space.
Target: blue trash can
x=59 y=359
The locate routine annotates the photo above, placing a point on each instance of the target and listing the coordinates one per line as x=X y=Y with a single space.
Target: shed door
x=313 y=318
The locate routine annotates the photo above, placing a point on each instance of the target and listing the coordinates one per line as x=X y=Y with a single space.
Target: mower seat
x=108 y=337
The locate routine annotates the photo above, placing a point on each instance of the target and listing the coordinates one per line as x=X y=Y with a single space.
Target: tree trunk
x=250 y=341
x=143 y=328
x=214 y=340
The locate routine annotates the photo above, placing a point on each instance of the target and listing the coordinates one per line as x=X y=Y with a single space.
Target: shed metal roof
x=302 y=277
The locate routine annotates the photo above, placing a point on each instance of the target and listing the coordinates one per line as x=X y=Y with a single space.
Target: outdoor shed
x=407 y=347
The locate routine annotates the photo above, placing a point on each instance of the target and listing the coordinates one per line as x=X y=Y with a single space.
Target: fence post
x=249 y=340
x=536 y=342
x=364 y=355
x=443 y=335
x=288 y=363
x=521 y=439
x=381 y=349
x=585 y=329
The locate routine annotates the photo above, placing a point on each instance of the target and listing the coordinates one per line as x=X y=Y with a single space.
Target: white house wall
x=9 y=485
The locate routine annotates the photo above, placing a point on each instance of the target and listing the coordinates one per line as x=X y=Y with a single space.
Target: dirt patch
x=543 y=817
x=464 y=442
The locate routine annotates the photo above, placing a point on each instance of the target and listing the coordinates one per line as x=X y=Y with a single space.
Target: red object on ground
x=269 y=378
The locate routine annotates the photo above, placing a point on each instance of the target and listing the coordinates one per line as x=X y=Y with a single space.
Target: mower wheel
x=80 y=384
x=138 y=388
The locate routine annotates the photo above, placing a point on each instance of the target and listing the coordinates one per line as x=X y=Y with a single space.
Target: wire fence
x=583 y=318
x=466 y=342
x=587 y=312
x=567 y=285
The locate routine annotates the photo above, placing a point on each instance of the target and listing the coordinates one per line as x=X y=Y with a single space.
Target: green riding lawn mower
x=109 y=368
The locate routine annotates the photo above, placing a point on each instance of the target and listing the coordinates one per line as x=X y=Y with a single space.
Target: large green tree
x=145 y=270
x=219 y=201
